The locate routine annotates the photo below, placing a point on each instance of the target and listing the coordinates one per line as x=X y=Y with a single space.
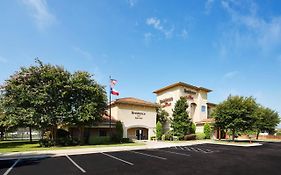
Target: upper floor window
x=203 y=108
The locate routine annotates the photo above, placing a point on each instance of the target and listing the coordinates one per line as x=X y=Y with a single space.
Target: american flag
x=112 y=82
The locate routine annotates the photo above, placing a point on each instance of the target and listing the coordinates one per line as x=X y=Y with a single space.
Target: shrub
x=200 y=136
x=207 y=130
x=126 y=140
x=192 y=128
x=61 y=133
x=168 y=135
x=119 y=131
x=159 y=130
x=96 y=140
x=152 y=137
x=190 y=137
x=46 y=143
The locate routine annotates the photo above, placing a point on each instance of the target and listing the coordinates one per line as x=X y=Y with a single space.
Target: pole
x=110 y=106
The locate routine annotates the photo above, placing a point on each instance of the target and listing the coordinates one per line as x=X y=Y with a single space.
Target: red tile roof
x=133 y=101
x=181 y=84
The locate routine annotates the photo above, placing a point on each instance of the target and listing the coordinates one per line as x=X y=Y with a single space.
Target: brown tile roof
x=133 y=101
x=181 y=84
x=211 y=104
x=106 y=118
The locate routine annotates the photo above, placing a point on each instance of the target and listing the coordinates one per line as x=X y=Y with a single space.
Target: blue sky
x=231 y=47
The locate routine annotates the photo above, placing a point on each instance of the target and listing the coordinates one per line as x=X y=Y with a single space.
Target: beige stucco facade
x=137 y=116
x=197 y=98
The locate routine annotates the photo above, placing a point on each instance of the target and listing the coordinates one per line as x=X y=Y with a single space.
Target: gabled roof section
x=184 y=85
x=211 y=104
x=133 y=101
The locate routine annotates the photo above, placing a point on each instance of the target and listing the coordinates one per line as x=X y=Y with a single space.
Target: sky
x=229 y=46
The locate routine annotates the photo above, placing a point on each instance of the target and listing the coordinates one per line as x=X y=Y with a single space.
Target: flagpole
x=110 y=106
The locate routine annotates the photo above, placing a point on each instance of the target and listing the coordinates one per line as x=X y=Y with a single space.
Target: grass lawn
x=21 y=146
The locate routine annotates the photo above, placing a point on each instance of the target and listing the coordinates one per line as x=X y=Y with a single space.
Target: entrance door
x=139 y=134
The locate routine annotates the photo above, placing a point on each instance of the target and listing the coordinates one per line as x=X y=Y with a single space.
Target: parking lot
x=196 y=159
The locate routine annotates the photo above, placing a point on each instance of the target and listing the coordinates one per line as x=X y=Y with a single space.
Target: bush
x=159 y=130
x=168 y=135
x=119 y=131
x=190 y=137
x=46 y=143
x=207 y=130
x=192 y=128
x=200 y=136
x=96 y=140
x=126 y=140
x=61 y=133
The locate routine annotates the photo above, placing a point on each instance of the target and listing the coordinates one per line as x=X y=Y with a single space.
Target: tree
x=46 y=96
x=236 y=113
x=119 y=131
x=266 y=120
x=159 y=130
x=181 y=123
x=35 y=97
x=207 y=130
x=193 y=128
x=87 y=100
x=162 y=115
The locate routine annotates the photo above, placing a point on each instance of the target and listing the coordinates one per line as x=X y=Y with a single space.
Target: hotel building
x=199 y=108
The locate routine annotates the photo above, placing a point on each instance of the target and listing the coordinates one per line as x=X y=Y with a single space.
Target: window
x=203 y=108
x=102 y=132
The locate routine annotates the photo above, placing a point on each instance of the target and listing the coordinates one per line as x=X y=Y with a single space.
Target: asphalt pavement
x=202 y=159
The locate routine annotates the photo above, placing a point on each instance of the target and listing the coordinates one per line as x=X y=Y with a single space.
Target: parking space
x=196 y=159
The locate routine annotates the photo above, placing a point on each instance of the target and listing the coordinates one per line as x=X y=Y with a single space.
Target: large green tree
x=35 y=96
x=47 y=96
x=236 y=113
x=266 y=120
x=181 y=123
x=162 y=115
x=88 y=101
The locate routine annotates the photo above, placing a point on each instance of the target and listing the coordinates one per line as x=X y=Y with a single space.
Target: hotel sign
x=189 y=92
x=166 y=102
x=138 y=115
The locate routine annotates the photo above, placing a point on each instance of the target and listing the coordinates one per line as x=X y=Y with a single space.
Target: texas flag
x=114 y=92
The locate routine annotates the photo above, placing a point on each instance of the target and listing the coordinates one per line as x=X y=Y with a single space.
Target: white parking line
x=193 y=149
x=74 y=163
x=181 y=148
x=172 y=152
x=117 y=158
x=149 y=155
x=187 y=148
x=10 y=169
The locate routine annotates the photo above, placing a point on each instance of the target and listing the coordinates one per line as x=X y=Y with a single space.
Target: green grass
x=23 y=146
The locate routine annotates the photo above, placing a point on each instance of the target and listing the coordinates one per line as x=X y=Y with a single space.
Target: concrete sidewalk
x=148 y=145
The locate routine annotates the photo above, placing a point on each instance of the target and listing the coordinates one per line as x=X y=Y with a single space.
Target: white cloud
x=3 y=60
x=132 y=3
x=247 y=30
x=40 y=12
x=157 y=25
x=208 y=6
x=230 y=75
